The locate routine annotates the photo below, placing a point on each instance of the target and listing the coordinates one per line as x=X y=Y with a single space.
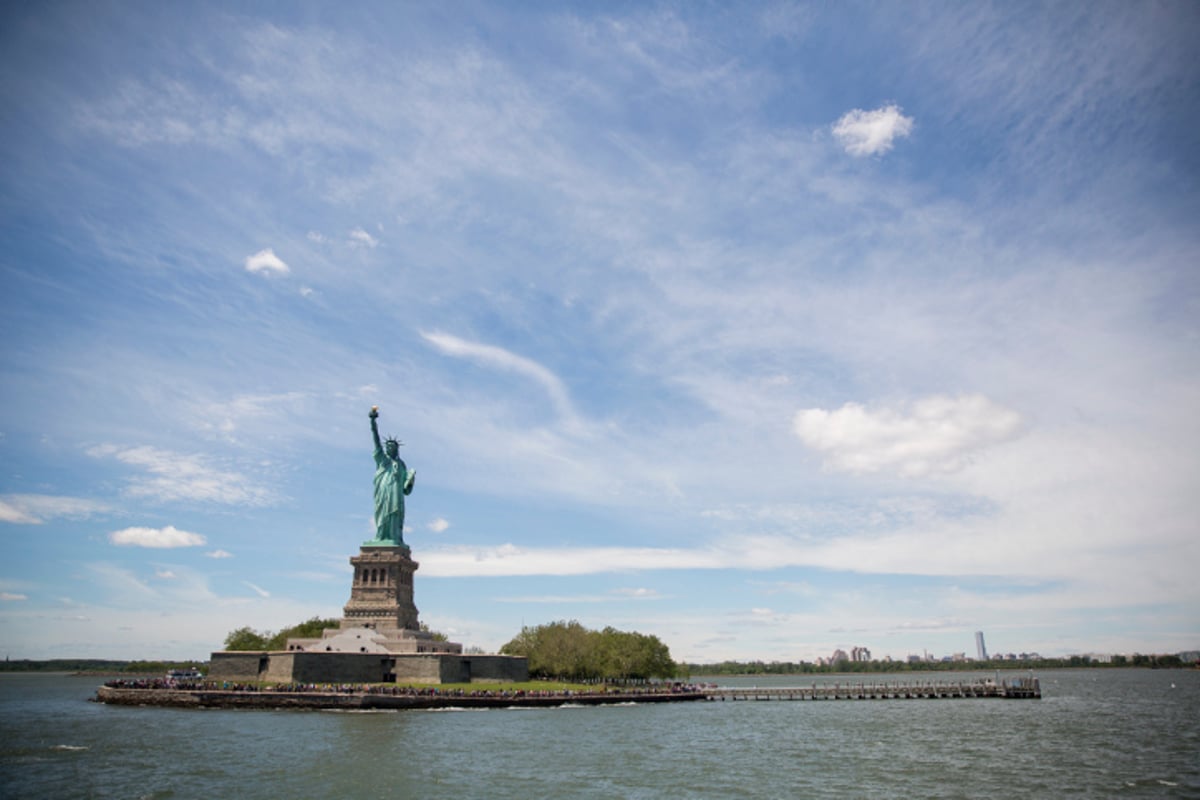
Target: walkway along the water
x=366 y=697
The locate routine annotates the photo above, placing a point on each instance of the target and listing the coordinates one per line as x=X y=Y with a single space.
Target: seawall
x=367 y=701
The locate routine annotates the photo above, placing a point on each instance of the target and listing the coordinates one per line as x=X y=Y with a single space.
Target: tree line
x=569 y=651
x=246 y=638
x=102 y=665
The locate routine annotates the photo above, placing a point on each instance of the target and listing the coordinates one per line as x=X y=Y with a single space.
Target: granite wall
x=309 y=667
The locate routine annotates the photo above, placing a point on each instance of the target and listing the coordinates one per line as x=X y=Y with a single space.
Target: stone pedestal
x=381 y=596
x=380 y=639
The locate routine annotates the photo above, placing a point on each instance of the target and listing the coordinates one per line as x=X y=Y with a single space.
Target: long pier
x=1019 y=689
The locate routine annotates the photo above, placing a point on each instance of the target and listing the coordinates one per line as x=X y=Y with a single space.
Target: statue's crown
x=393 y=440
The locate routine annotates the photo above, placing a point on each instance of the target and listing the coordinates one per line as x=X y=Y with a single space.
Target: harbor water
x=1096 y=733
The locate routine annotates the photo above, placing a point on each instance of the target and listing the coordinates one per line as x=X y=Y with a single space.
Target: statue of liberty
x=393 y=481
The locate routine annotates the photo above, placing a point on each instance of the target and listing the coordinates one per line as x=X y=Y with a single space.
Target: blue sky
x=766 y=329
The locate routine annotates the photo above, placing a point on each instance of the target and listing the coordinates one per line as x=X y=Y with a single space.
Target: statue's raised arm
x=374 y=415
x=393 y=481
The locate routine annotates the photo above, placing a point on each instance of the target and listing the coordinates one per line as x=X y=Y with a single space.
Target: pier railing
x=1021 y=688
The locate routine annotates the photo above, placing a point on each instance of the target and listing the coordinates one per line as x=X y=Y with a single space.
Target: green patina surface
x=393 y=482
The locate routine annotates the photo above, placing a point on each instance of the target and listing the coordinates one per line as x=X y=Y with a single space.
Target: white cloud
x=940 y=434
x=170 y=536
x=639 y=593
x=218 y=553
x=316 y=236
x=260 y=410
x=438 y=525
x=12 y=596
x=870 y=133
x=361 y=238
x=790 y=587
x=174 y=476
x=555 y=599
x=258 y=589
x=14 y=515
x=266 y=261
x=949 y=549
x=500 y=358
x=165 y=574
x=616 y=595
x=508 y=559
x=34 y=509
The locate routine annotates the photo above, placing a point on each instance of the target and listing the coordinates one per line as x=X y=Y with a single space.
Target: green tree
x=565 y=650
x=639 y=656
x=309 y=629
x=555 y=650
x=438 y=636
x=245 y=638
x=568 y=650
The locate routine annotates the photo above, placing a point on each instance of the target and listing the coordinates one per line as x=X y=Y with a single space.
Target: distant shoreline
x=914 y=670
x=755 y=669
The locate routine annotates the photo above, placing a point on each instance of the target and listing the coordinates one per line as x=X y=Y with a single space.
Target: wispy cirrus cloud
x=615 y=595
x=509 y=559
x=228 y=417
x=638 y=593
x=175 y=476
x=553 y=599
x=261 y=592
x=507 y=361
x=14 y=514
x=35 y=509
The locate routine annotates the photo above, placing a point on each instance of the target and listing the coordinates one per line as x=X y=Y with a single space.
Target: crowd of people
x=394 y=689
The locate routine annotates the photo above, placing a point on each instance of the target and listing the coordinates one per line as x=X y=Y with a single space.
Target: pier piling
x=1019 y=689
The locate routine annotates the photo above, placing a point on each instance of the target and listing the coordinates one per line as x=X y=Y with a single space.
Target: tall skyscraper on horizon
x=980 y=647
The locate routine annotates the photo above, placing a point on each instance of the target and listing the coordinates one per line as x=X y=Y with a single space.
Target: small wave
x=69 y=747
x=360 y=710
x=1161 y=782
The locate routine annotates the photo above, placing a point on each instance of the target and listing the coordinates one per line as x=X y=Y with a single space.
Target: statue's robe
x=392 y=482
